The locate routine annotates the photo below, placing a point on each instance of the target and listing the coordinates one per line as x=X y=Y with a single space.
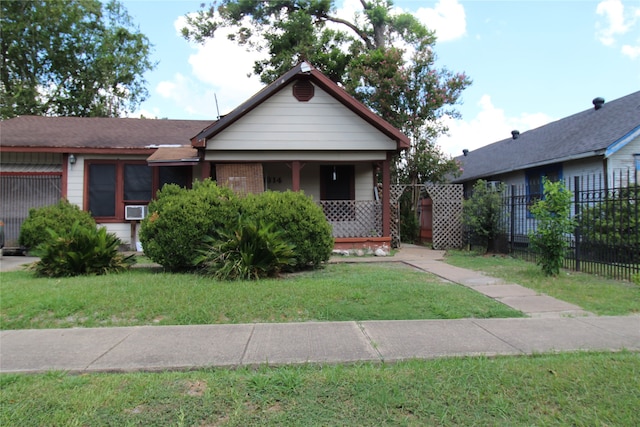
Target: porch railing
x=353 y=218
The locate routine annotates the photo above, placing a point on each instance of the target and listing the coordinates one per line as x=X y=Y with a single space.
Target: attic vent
x=598 y=103
x=303 y=90
x=515 y=134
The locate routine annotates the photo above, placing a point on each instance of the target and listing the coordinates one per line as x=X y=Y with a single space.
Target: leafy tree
x=554 y=223
x=383 y=59
x=482 y=212
x=71 y=58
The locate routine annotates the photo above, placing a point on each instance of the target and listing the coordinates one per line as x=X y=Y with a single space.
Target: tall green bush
x=554 y=223
x=302 y=221
x=482 y=213
x=80 y=251
x=179 y=219
x=60 y=218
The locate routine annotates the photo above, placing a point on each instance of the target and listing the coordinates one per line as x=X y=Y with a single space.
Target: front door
x=337 y=182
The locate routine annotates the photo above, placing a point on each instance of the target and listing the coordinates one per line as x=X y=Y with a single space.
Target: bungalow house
x=602 y=141
x=302 y=133
x=594 y=152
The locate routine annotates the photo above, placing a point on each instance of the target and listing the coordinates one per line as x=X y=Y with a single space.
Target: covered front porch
x=351 y=194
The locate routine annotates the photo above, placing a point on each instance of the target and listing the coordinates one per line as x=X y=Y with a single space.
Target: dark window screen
x=174 y=175
x=137 y=182
x=102 y=190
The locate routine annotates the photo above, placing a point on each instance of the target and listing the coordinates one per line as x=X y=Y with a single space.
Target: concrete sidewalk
x=155 y=348
x=553 y=325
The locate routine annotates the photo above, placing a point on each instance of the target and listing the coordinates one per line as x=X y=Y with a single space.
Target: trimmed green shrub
x=81 y=251
x=179 y=219
x=250 y=250
x=59 y=217
x=303 y=223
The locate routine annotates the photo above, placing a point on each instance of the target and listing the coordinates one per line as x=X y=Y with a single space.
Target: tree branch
x=362 y=34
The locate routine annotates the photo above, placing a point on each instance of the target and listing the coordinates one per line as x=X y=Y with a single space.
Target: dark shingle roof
x=584 y=134
x=96 y=132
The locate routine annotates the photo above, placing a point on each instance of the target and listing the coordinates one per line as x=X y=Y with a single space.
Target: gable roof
x=306 y=72
x=94 y=134
x=593 y=132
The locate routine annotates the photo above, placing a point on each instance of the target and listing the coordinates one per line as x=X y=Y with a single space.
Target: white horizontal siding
x=623 y=163
x=284 y=123
x=75 y=182
x=287 y=156
x=364 y=181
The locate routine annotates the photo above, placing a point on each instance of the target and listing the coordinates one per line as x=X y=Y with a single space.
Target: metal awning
x=183 y=155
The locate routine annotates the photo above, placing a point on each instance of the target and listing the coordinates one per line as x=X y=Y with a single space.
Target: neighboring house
x=302 y=133
x=99 y=164
x=602 y=141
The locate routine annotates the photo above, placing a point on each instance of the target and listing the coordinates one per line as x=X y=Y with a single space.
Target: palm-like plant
x=82 y=251
x=250 y=250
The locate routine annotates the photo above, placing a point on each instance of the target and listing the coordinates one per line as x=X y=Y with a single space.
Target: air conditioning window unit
x=135 y=212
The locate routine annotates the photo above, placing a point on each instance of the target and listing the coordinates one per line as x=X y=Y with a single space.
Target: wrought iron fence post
x=512 y=218
x=576 y=202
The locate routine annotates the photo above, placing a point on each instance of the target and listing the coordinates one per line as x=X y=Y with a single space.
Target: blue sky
x=531 y=62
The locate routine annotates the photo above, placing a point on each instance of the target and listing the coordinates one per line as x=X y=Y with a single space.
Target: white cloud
x=217 y=80
x=619 y=24
x=490 y=125
x=447 y=19
x=632 y=52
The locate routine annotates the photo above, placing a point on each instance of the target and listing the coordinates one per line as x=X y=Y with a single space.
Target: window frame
x=120 y=201
x=538 y=173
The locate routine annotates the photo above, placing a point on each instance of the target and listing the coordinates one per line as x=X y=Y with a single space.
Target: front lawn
x=381 y=291
x=575 y=389
x=605 y=297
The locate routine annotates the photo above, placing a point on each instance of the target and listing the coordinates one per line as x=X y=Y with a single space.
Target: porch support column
x=386 y=196
x=295 y=175
x=206 y=170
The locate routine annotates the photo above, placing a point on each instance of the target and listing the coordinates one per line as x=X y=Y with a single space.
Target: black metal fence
x=606 y=240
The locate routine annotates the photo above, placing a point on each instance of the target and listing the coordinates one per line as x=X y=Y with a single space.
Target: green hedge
x=179 y=219
x=302 y=221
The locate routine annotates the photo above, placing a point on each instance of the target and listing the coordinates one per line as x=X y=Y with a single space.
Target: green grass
x=340 y=292
x=593 y=293
x=595 y=389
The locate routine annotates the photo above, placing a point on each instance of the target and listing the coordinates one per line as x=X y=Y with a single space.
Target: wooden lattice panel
x=396 y=191
x=354 y=218
x=447 y=215
x=395 y=194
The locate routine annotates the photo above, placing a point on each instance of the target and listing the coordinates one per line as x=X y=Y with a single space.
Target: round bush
x=302 y=221
x=59 y=217
x=179 y=219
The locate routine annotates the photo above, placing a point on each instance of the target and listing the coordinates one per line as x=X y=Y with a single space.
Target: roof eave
x=622 y=142
x=579 y=156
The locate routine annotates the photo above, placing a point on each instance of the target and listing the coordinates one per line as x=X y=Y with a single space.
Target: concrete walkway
x=553 y=326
